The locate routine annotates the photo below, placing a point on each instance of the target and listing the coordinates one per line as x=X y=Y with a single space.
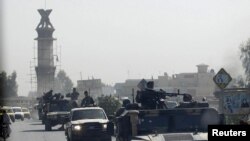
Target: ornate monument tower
x=45 y=69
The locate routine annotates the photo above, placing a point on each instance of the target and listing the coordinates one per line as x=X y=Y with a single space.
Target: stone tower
x=45 y=69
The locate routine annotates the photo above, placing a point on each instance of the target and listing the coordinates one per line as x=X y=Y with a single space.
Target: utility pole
x=81 y=75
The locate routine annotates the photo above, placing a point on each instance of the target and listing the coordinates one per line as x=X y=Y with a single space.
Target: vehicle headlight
x=77 y=127
x=104 y=126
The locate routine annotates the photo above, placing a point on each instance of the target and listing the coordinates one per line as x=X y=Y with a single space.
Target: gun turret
x=155 y=99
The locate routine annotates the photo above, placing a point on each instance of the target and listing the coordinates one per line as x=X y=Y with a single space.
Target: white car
x=88 y=123
x=26 y=112
x=18 y=113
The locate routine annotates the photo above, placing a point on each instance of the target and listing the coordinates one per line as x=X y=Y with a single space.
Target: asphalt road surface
x=33 y=130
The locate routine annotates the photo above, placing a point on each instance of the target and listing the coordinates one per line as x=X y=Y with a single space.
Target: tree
x=240 y=81
x=12 y=85
x=245 y=58
x=8 y=84
x=3 y=79
x=63 y=84
x=109 y=104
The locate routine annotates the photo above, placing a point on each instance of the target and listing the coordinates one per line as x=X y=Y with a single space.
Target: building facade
x=95 y=87
x=199 y=84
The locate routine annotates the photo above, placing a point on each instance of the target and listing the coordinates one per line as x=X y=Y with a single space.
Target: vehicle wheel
x=48 y=126
x=22 y=118
x=67 y=137
x=108 y=139
x=121 y=139
x=72 y=138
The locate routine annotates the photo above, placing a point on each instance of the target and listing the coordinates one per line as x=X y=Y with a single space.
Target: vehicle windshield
x=9 y=110
x=17 y=110
x=25 y=110
x=88 y=114
x=60 y=106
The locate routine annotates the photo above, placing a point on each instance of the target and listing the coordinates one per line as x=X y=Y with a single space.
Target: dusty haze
x=115 y=40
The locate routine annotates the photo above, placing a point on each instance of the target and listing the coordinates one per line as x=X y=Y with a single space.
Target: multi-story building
x=199 y=84
x=95 y=87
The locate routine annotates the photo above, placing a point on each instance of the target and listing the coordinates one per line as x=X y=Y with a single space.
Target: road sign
x=222 y=79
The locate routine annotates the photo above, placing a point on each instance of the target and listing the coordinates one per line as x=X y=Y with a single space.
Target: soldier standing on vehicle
x=74 y=95
x=125 y=102
x=87 y=100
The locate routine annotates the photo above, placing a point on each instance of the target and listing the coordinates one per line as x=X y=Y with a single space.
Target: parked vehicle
x=18 y=113
x=26 y=113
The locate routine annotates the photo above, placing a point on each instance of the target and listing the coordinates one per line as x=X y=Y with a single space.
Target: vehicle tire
x=121 y=139
x=108 y=139
x=22 y=118
x=72 y=138
x=47 y=126
x=117 y=139
x=67 y=137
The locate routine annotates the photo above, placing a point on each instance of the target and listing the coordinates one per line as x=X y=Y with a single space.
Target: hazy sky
x=119 y=39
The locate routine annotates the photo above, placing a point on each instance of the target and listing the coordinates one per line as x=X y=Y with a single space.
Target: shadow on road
x=41 y=130
x=1 y=139
x=36 y=124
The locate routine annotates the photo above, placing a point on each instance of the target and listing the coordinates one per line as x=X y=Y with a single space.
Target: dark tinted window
x=88 y=114
x=59 y=106
x=17 y=110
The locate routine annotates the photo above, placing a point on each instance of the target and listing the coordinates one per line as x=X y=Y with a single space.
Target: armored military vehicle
x=150 y=119
x=58 y=111
x=54 y=109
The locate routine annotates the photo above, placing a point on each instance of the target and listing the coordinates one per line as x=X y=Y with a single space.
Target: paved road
x=33 y=130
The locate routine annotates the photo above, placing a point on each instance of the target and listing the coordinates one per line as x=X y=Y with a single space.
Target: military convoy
x=151 y=119
x=148 y=119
